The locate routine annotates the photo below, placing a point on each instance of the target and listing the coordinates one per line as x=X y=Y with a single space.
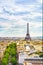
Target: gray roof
x=34 y=59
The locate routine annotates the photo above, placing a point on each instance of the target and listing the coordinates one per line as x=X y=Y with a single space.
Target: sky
x=15 y=14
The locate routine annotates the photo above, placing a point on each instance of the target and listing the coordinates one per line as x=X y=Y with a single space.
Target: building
x=33 y=61
x=27 y=35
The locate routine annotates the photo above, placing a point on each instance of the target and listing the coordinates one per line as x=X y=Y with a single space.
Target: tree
x=10 y=55
x=41 y=55
x=4 y=61
x=13 y=61
x=6 y=55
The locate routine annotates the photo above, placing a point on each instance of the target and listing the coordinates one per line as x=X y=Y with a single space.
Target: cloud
x=14 y=15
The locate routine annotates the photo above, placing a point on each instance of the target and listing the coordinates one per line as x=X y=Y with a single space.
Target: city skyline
x=15 y=14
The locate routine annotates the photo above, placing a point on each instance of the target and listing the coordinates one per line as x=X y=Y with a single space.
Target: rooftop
x=38 y=58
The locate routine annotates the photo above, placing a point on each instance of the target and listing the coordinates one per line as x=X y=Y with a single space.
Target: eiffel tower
x=27 y=35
